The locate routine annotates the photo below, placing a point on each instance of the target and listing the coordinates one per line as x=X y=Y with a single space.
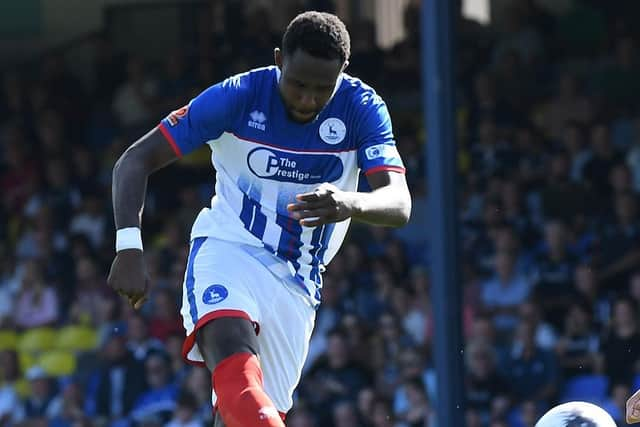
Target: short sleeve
x=205 y=118
x=376 y=145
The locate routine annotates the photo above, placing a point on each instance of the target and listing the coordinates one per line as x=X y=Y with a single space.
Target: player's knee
x=224 y=337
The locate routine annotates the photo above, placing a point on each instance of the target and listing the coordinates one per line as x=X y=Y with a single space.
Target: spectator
x=419 y=413
x=161 y=398
x=545 y=334
x=502 y=294
x=335 y=376
x=91 y=220
x=344 y=414
x=561 y=198
x=577 y=347
x=412 y=369
x=139 y=343
x=484 y=384
x=120 y=378
x=366 y=398
x=569 y=105
x=186 y=412
x=165 y=319
x=588 y=289
x=68 y=407
x=37 y=303
x=38 y=403
x=596 y=170
x=133 y=100
x=198 y=383
x=620 y=347
x=532 y=372
x=554 y=272
x=90 y=292
x=173 y=348
x=620 y=253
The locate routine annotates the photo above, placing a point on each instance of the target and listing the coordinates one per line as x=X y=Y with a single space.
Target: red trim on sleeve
x=170 y=140
x=398 y=169
x=190 y=340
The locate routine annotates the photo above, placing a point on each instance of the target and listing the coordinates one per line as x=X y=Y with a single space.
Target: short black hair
x=319 y=34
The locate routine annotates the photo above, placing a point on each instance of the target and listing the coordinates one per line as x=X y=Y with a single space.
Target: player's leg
x=236 y=337
x=284 y=341
x=230 y=348
x=220 y=317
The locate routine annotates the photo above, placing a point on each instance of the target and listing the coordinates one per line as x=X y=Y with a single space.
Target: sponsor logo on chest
x=300 y=168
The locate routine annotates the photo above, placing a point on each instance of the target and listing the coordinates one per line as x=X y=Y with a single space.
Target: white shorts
x=222 y=279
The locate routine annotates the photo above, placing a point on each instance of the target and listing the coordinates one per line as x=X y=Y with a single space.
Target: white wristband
x=128 y=238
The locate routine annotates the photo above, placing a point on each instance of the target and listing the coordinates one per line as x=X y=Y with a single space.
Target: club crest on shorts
x=332 y=131
x=214 y=294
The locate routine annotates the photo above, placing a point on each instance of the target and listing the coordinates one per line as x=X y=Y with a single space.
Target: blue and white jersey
x=263 y=159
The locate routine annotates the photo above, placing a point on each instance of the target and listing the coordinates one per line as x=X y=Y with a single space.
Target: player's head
x=315 y=50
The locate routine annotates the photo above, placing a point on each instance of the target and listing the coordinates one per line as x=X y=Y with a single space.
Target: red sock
x=242 y=402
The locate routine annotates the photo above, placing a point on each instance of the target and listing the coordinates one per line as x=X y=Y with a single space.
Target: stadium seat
x=37 y=340
x=26 y=360
x=8 y=340
x=58 y=363
x=76 y=338
x=587 y=388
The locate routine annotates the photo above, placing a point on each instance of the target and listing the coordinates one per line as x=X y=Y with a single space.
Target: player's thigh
x=225 y=336
x=284 y=337
x=219 y=310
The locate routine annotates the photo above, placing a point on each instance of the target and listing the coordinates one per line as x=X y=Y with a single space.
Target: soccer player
x=288 y=143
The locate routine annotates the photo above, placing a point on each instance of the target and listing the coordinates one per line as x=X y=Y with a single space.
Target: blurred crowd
x=549 y=161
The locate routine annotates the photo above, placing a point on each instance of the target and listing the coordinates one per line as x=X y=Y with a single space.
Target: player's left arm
x=388 y=204
x=633 y=408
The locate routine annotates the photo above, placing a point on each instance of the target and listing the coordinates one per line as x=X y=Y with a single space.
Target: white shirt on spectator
x=30 y=313
x=497 y=294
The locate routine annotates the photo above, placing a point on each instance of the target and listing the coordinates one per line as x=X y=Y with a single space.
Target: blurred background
x=549 y=173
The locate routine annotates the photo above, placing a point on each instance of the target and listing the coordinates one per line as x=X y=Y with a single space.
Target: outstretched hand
x=324 y=205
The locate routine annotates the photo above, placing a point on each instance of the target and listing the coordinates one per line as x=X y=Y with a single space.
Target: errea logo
x=257 y=120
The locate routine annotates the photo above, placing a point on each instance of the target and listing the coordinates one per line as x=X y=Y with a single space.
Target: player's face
x=306 y=83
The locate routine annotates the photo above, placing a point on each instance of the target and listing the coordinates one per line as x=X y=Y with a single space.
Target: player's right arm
x=183 y=131
x=130 y=174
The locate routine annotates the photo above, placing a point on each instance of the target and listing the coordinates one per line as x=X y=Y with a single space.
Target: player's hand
x=326 y=204
x=128 y=276
x=633 y=408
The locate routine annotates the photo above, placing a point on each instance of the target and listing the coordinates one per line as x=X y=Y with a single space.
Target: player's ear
x=277 y=57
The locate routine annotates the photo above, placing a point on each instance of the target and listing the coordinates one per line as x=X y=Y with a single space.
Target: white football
x=576 y=414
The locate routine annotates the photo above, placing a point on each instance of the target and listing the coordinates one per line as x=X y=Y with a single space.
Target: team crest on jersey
x=176 y=115
x=332 y=131
x=214 y=294
x=257 y=120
